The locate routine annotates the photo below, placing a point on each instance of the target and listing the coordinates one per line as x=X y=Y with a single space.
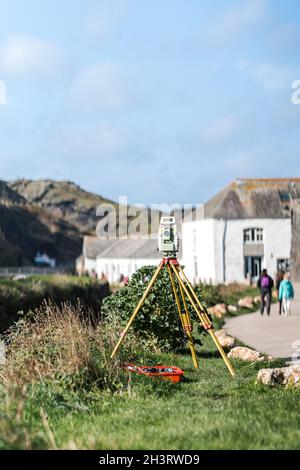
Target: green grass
x=232 y=293
x=28 y=294
x=209 y=410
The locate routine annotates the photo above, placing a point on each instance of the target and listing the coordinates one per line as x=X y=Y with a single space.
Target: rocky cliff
x=63 y=199
x=26 y=228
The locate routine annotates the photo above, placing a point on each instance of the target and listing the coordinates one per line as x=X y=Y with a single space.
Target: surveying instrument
x=168 y=244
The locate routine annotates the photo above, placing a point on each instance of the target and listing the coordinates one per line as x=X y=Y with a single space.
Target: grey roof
x=131 y=249
x=92 y=246
x=254 y=198
x=121 y=248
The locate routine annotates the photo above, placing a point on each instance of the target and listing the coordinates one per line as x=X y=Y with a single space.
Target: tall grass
x=28 y=294
x=62 y=340
x=57 y=357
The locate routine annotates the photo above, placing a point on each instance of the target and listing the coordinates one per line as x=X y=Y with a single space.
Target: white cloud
x=242 y=163
x=270 y=76
x=100 y=140
x=105 y=18
x=236 y=20
x=220 y=130
x=24 y=56
x=102 y=87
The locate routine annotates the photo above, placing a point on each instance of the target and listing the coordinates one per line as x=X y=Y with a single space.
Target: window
x=253 y=235
x=283 y=265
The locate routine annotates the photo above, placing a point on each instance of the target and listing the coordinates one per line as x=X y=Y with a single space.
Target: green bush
x=209 y=293
x=59 y=343
x=158 y=319
x=28 y=294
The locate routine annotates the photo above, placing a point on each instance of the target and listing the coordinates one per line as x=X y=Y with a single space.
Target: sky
x=162 y=101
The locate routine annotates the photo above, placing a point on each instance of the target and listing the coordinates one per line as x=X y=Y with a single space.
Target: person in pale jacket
x=286 y=294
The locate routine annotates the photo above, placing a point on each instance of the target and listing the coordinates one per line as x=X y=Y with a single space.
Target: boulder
x=222 y=308
x=287 y=376
x=218 y=310
x=232 y=308
x=246 y=302
x=225 y=340
x=257 y=299
x=248 y=354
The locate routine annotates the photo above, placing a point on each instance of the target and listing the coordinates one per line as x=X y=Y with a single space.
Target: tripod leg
x=211 y=331
x=137 y=309
x=191 y=294
x=184 y=321
x=188 y=320
x=201 y=306
x=205 y=322
x=188 y=325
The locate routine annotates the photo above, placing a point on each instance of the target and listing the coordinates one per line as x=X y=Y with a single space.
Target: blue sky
x=162 y=101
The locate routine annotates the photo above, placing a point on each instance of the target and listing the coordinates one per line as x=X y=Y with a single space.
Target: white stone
x=232 y=308
x=246 y=302
x=218 y=310
x=288 y=376
x=248 y=354
x=225 y=340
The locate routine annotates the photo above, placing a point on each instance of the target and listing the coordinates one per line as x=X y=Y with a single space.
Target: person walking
x=265 y=284
x=286 y=294
x=279 y=279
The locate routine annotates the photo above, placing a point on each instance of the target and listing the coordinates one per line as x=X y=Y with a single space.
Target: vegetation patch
x=22 y=296
x=59 y=389
x=158 y=320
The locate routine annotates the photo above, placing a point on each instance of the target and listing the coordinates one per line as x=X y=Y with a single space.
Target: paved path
x=275 y=335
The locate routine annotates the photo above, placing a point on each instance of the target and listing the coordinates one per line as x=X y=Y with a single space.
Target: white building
x=245 y=228
x=42 y=259
x=125 y=257
x=114 y=258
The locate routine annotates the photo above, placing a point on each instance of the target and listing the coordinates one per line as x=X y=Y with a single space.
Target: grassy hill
x=27 y=228
x=64 y=199
x=45 y=215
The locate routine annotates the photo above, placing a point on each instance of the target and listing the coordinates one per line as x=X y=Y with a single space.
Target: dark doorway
x=253 y=265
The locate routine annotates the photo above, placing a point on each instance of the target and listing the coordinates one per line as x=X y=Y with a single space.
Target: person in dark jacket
x=265 y=284
x=279 y=279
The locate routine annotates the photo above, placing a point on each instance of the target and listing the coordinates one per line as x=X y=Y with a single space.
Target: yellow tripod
x=186 y=291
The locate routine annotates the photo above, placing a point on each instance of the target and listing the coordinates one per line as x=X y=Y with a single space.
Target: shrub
x=210 y=293
x=61 y=343
x=28 y=294
x=158 y=319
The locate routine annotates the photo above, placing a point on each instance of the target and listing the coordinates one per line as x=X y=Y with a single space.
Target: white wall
x=277 y=244
x=227 y=265
x=198 y=254
x=89 y=265
x=114 y=267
